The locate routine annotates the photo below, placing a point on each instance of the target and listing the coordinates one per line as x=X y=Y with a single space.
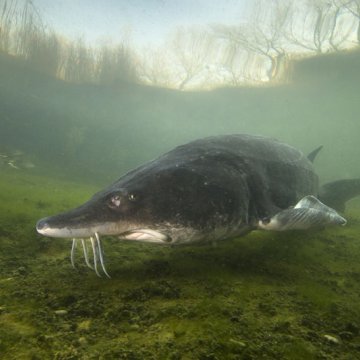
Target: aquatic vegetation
x=262 y=296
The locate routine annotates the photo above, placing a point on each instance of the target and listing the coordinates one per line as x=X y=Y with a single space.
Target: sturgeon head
x=152 y=204
x=156 y=203
x=115 y=211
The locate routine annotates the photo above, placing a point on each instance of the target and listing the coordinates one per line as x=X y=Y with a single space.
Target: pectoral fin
x=308 y=213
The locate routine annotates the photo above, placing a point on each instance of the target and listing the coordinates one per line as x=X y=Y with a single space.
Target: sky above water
x=146 y=22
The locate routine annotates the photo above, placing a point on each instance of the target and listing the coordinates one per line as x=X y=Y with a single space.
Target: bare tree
x=116 y=64
x=191 y=50
x=262 y=36
x=237 y=66
x=154 y=67
x=23 y=33
x=341 y=27
x=353 y=7
x=30 y=27
x=7 y=19
x=320 y=26
x=43 y=52
x=79 y=63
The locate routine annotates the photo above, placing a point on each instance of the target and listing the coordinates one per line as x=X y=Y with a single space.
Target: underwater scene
x=180 y=179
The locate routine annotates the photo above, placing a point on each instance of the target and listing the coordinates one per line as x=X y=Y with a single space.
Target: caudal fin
x=335 y=194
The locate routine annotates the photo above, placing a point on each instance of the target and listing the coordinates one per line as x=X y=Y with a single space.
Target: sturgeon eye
x=115 y=201
x=132 y=197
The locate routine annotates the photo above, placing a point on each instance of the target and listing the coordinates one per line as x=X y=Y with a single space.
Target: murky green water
x=291 y=295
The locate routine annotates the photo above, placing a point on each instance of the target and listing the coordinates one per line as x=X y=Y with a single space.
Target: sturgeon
x=210 y=189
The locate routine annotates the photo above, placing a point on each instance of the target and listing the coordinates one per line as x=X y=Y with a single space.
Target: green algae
x=263 y=296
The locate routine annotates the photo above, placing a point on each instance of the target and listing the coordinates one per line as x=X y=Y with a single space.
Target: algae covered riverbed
x=268 y=295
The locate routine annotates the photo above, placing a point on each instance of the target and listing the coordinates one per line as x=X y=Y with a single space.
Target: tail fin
x=336 y=194
x=313 y=154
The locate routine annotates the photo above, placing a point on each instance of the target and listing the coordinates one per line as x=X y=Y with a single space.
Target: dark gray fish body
x=209 y=189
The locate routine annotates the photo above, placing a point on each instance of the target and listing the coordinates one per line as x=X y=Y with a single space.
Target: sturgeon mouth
x=91 y=242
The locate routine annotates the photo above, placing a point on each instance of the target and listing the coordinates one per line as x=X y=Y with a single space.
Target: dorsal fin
x=313 y=154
